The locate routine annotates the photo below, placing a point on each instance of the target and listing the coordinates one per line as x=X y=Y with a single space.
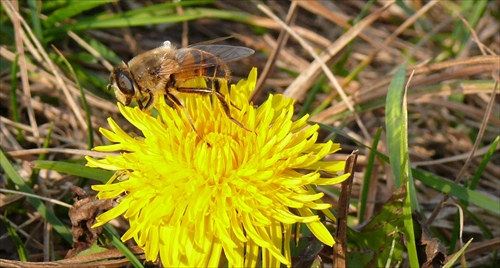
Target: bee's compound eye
x=124 y=83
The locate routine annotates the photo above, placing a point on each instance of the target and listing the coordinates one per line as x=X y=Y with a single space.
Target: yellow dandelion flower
x=234 y=192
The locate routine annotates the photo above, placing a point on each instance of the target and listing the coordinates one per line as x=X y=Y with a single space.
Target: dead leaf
x=82 y=215
x=429 y=248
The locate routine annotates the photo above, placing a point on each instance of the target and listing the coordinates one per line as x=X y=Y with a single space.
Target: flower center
x=219 y=140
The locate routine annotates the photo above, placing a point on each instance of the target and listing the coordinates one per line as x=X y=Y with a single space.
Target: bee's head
x=123 y=84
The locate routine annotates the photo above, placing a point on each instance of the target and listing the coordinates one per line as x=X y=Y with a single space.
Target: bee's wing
x=226 y=53
x=190 y=58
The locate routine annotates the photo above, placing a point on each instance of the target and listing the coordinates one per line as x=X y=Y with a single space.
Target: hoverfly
x=161 y=72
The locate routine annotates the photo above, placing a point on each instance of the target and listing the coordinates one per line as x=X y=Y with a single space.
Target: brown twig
x=340 y=247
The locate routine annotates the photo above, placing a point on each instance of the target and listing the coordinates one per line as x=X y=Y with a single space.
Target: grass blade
x=21 y=249
x=159 y=16
x=457 y=255
x=72 y=9
x=395 y=126
x=35 y=18
x=448 y=187
x=118 y=244
x=397 y=143
x=14 y=107
x=366 y=181
x=484 y=162
x=75 y=169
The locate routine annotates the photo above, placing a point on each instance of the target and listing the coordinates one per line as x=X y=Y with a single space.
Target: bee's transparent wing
x=190 y=58
x=226 y=53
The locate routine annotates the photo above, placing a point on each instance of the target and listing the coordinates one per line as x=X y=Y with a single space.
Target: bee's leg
x=150 y=101
x=234 y=106
x=146 y=103
x=220 y=96
x=179 y=105
x=200 y=91
x=141 y=106
x=223 y=102
x=216 y=84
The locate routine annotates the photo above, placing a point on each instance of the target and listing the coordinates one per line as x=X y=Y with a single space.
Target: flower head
x=232 y=191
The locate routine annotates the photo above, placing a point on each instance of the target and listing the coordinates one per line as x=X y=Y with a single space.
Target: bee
x=163 y=71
